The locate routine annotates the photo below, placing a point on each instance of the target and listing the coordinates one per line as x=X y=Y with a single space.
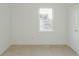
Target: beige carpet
x=39 y=50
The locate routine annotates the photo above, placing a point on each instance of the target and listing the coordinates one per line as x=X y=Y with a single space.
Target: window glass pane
x=45 y=19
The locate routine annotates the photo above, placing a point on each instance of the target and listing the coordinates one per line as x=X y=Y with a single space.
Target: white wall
x=26 y=24
x=74 y=25
x=5 y=27
x=19 y=24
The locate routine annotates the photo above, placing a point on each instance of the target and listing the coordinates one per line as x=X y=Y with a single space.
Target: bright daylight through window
x=45 y=19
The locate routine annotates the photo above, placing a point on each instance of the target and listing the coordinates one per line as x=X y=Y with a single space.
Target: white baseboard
x=38 y=43
x=4 y=49
x=74 y=49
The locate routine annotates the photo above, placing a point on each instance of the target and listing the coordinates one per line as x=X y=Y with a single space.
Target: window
x=45 y=19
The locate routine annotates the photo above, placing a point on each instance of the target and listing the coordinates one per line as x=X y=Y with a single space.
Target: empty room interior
x=39 y=29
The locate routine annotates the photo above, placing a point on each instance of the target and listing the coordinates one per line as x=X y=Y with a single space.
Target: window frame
x=50 y=20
